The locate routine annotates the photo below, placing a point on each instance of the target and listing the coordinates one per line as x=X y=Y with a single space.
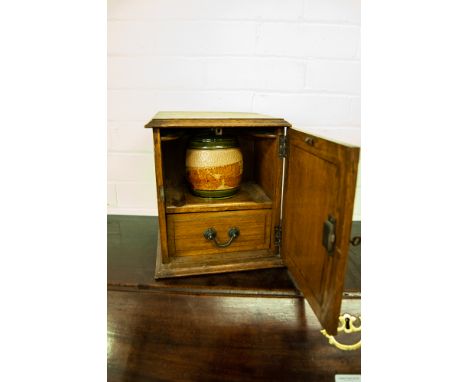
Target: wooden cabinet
x=300 y=219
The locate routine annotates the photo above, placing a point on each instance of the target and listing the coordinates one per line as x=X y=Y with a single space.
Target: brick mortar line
x=130 y=182
x=299 y=21
x=126 y=152
x=246 y=56
x=255 y=91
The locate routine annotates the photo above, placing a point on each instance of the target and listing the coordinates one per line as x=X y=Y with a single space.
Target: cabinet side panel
x=265 y=165
x=268 y=172
x=173 y=153
x=160 y=191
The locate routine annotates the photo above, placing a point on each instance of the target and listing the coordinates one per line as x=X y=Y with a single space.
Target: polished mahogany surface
x=156 y=336
x=242 y=326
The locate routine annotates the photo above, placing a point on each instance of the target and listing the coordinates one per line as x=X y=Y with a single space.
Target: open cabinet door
x=317 y=215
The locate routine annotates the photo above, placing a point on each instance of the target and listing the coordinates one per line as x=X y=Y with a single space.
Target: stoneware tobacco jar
x=214 y=165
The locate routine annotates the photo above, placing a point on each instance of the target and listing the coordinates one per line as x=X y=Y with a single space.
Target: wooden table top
x=243 y=326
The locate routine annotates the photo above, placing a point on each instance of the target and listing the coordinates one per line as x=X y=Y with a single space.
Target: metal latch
x=282 y=149
x=278 y=235
x=328 y=235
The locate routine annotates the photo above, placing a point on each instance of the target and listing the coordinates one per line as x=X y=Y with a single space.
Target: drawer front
x=185 y=232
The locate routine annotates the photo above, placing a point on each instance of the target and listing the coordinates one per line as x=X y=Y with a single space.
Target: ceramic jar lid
x=213 y=142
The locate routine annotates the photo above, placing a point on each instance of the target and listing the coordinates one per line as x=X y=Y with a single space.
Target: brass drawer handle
x=346 y=325
x=210 y=234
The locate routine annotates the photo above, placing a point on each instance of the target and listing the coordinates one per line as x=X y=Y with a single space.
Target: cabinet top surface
x=209 y=119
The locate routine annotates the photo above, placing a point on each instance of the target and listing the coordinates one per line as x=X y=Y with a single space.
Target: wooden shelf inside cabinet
x=250 y=196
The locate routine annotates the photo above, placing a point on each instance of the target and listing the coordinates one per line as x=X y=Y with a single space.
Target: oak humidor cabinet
x=303 y=224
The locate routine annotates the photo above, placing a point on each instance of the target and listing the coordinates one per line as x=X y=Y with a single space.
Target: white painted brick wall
x=162 y=73
x=255 y=73
x=181 y=38
x=338 y=11
x=137 y=195
x=125 y=137
x=331 y=76
x=308 y=109
x=308 y=40
x=134 y=167
x=205 y=10
x=296 y=59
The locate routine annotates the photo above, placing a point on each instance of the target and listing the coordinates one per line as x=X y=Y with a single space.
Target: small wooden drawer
x=185 y=232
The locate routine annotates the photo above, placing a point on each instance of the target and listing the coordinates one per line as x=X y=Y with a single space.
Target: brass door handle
x=210 y=234
x=346 y=325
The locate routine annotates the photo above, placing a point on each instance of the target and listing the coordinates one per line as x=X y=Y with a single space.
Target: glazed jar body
x=214 y=166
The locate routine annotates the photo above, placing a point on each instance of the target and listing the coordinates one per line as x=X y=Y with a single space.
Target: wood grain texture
x=213 y=119
x=218 y=263
x=250 y=196
x=185 y=232
x=320 y=180
x=175 y=337
x=161 y=197
x=173 y=162
x=268 y=172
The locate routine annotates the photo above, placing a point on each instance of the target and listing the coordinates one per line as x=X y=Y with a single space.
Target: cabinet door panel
x=320 y=182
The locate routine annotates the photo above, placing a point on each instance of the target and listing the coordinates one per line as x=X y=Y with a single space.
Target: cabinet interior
x=259 y=187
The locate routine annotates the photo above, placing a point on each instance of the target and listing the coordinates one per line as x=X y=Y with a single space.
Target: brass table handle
x=210 y=234
x=346 y=325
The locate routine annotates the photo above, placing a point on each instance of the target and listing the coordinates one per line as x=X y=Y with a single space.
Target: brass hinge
x=278 y=233
x=282 y=149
